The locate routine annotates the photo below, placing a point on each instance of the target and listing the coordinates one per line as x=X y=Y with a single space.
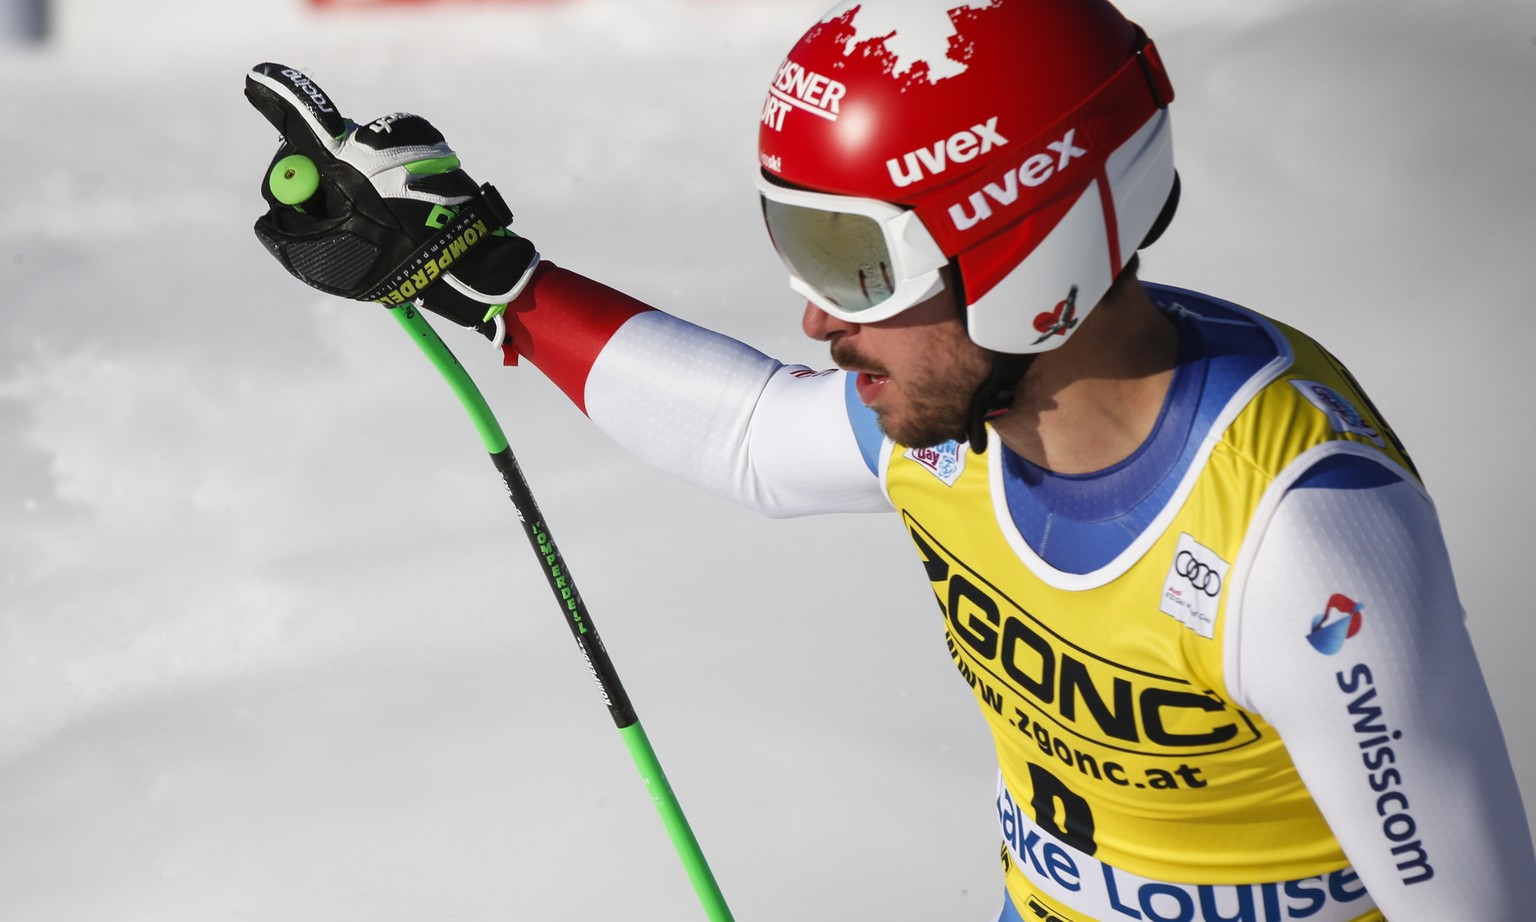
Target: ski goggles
x=858 y=259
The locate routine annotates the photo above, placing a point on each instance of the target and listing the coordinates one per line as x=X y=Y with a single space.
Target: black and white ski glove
x=394 y=219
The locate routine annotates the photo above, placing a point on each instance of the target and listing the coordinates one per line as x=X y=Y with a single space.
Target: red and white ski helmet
x=1025 y=143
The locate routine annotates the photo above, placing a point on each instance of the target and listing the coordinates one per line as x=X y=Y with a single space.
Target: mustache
x=846 y=357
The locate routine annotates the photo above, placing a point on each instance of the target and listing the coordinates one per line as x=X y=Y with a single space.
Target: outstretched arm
x=384 y=212
x=697 y=404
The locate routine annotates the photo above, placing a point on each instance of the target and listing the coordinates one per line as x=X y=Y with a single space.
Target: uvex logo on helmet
x=960 y=147
x=1036 y=170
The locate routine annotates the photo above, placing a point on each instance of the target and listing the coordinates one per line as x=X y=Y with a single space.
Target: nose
x=822 y=326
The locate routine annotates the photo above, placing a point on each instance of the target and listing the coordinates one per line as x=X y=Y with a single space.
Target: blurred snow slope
x=271 y=645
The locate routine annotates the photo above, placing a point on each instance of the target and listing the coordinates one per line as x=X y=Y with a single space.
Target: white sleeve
x=725 y=417
x=1381 y=703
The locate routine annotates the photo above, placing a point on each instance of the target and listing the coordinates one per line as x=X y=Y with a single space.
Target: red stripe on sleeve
x=561 y=322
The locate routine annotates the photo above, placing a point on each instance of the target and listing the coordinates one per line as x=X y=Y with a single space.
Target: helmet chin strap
x=997 y=390
x=995 y=395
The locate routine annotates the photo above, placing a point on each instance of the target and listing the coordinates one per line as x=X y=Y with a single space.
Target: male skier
x=1192 y=576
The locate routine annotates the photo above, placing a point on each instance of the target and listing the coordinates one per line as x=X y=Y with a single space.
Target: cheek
x=958 y=356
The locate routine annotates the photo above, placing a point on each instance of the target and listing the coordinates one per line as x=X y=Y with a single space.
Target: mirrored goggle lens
x=842 y=257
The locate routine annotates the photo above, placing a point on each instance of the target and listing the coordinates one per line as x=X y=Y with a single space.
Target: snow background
x=271 y=643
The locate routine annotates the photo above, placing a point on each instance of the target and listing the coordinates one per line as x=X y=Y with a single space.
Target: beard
x=929 y=405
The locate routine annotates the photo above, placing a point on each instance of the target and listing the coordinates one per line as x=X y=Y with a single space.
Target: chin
x=921 y=433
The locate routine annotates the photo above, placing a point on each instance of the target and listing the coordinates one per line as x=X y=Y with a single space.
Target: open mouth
x=870 y=386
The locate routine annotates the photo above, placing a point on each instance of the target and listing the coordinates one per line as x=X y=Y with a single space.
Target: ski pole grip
x=294 y=180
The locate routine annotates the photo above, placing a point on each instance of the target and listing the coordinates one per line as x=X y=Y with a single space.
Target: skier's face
x=917 y=370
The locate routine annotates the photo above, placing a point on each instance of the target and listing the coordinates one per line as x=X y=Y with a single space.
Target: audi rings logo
x=1192 y=588
x=1200 y=575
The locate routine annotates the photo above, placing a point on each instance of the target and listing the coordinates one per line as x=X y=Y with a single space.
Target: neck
x=1092 y=402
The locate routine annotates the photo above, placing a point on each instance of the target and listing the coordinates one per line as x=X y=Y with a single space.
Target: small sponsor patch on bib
x=1192 y=590
x=1341 y=414
x=946 y=462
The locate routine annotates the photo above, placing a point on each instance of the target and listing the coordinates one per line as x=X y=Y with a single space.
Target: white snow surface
x=272 y=645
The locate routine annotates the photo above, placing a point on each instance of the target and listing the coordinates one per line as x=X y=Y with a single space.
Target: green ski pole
x=293 y=180
x=575 y=611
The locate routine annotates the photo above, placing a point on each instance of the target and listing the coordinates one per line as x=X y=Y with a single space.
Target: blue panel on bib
x=1079 y=523
x=1346 y=472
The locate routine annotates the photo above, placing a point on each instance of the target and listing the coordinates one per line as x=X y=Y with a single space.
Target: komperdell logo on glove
x=386 y=213
x=463 y=231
